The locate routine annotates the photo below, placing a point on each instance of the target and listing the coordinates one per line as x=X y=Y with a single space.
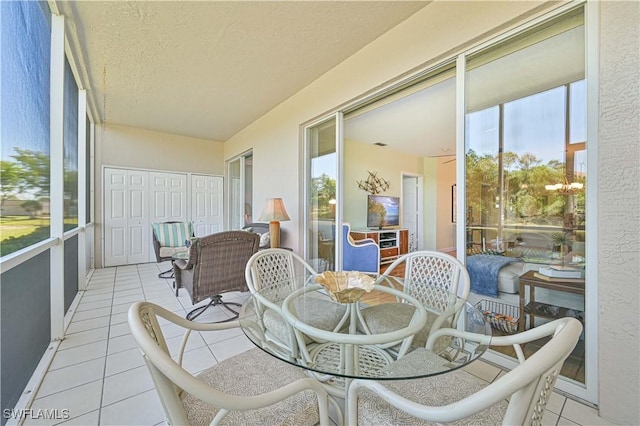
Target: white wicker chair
x=280 y=271
x=250 y=388
x=431 y=277
x=517 y=398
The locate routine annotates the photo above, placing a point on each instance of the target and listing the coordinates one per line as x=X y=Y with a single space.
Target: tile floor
x=99 y=376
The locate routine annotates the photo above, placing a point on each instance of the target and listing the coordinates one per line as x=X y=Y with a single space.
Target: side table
x=536 y=309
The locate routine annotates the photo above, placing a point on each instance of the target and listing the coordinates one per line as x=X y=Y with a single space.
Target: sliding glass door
x=525 y=168
x=513 y=111
x=240 y=190
x=321 y=193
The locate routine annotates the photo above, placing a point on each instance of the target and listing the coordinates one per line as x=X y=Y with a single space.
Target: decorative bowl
x=345 y=287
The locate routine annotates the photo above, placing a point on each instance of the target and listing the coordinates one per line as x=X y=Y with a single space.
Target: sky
x=25 y=46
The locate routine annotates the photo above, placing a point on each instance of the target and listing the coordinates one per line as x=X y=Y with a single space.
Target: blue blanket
x=483 y=271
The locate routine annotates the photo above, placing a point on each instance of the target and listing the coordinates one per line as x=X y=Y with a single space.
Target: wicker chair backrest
x=220 y=262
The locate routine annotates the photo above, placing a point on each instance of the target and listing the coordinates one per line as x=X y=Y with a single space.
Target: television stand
x=391 y=242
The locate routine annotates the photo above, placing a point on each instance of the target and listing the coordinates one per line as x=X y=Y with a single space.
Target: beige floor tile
x=88 y=306
x=118 y=318
x=194 y=342
x=76 y=401
x=168 y=302
x=119 y=329
x=142 y=409
x=120 y=309
x=102 y=281
x=126 y=384
x=128 y=299
x=91 y=418
x=212 y=314
x=198 y=359
x=212 y=337
x=170 y=330
x=231 y=347
x=157 y=293
x=483 y=370
x=84 y=337
x=127 y=285
x=69 y=377
x=121 y=343
x=94 y=313
x=94 y=297
x=549 y=419
x=556 y=403
x=78 y=354
x=564 y=422
x=582 y=414
x=94 y=288
x=90 y=324
x=123 y=361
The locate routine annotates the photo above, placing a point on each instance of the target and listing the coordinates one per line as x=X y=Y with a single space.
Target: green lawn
x=19 y=226
x=17 y=232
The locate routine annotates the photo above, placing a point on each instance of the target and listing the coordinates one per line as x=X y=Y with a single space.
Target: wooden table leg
x=532 y=297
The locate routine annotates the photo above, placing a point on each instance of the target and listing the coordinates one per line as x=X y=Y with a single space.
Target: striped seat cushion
x=173 y=234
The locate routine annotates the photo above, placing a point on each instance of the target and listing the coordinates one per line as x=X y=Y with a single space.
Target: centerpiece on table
x=345 y=287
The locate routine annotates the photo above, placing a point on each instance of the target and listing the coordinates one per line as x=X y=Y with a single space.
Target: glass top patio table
x=348 y=352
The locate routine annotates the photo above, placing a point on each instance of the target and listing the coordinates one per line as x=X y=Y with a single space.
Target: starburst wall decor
x=373 y=184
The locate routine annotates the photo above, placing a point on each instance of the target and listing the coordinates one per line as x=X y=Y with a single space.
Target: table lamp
x=274 y=212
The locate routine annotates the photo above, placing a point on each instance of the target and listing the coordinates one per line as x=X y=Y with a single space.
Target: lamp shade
x=274 y=211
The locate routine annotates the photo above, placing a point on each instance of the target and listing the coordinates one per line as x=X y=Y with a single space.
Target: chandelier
x=565 y=188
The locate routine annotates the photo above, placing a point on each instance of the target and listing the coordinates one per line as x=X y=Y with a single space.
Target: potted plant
x=561 y=241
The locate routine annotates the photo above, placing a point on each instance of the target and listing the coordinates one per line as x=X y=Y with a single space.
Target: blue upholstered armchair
x=361 y=255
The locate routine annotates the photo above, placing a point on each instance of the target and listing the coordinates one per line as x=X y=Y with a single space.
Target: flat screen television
x=383 y=211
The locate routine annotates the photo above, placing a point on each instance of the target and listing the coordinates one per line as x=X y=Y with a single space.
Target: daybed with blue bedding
x=491 y=274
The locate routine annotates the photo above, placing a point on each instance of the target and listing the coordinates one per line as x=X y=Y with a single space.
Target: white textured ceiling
x=208 y=68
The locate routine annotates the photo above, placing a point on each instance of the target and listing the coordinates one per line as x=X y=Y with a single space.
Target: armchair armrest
x=191 y=260
x=363 y=258
x=364 y=241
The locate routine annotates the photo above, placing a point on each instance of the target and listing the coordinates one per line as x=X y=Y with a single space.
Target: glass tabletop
x=300 y=324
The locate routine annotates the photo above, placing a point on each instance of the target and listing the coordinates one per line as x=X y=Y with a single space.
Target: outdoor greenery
x=17 y=232
x=28 y=174
x=524 y=198
x=323 y=190
x=26 y=178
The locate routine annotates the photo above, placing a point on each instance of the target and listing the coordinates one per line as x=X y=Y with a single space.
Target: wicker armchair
x=165 y=252
x=216 y=265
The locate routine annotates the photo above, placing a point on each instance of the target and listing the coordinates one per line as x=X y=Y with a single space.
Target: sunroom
x=480 y=190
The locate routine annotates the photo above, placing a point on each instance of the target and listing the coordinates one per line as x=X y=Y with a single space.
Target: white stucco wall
x=618 y=212
x=136 y=148
x=387 y=163
x=146 y=149
x=446 y=237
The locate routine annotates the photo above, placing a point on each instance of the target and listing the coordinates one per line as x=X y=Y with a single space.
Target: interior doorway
x=412 y=213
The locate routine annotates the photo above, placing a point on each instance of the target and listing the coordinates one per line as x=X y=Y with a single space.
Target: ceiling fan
x=445 y=155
